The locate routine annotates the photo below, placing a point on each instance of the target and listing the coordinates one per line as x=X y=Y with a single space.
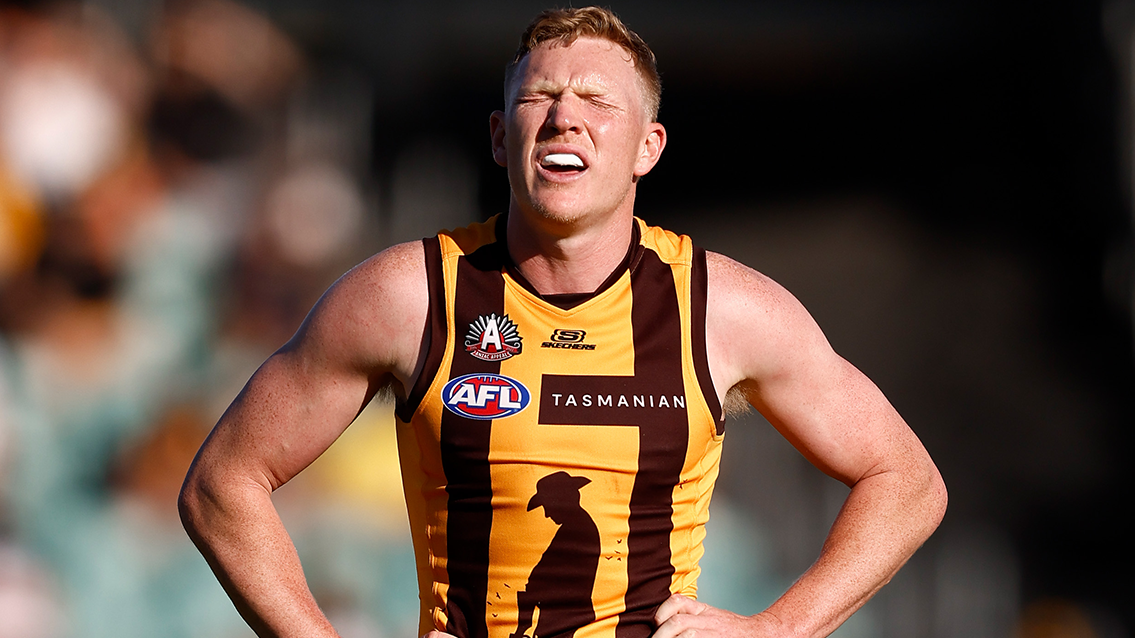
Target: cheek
x=623 y=145
x=522 y=125
x=615 y=132
x=517 y=143
x=600 y=125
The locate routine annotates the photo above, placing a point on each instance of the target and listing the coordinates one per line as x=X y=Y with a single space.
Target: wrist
x=769 y=624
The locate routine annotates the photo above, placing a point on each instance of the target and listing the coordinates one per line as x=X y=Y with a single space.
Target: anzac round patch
x=493 y=338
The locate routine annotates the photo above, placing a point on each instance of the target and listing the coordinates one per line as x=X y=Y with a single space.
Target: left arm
x=763 y=342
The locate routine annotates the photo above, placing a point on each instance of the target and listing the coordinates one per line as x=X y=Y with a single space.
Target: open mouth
x=563 y=163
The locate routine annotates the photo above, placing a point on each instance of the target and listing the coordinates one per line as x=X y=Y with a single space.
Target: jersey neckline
x=568 y=300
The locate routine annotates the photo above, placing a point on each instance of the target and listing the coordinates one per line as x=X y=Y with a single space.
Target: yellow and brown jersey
x=558 y=452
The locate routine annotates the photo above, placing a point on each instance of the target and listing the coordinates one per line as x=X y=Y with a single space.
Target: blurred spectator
x=29 y=603
x=127 y=188
x=229 y=48
x=21 y=226
x=70 y=83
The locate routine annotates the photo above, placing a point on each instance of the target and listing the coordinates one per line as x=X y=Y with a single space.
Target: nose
x=564 y=115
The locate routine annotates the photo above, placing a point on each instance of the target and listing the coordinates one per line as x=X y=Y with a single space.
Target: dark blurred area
x=947 y=186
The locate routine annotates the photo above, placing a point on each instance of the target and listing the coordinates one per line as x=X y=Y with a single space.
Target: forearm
x=885 y=518
x=240 y=534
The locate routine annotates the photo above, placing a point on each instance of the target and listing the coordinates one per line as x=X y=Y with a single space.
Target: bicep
x=364 y=333
x=770 y=348
x=835 y=416
x=288 y=413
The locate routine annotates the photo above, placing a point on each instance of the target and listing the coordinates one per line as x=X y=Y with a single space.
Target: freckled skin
x=588 y=95
x=570 y=231
x=566 y=232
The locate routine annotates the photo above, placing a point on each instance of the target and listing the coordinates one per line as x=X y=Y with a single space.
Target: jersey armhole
x=699 y=283
x=435 y=331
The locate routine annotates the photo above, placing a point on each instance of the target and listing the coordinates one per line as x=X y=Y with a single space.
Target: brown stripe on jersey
x=465 y=454
x=433 y=340
x=699 y=301
x=656 y=324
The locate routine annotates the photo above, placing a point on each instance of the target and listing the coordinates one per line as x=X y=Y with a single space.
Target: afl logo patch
x=485 y=396
x=493 y=338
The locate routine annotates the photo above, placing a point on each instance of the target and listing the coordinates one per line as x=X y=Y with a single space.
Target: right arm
x=363 y=334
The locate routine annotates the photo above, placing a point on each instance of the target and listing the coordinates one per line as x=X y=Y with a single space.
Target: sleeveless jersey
x=558 y=453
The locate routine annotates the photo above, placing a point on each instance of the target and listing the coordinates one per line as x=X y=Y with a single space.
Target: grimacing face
x=575 y=135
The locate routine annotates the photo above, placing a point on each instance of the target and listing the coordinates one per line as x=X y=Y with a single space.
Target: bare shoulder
x=733 y=285
x=754 y=326
x=396 y=275
x=373 y=317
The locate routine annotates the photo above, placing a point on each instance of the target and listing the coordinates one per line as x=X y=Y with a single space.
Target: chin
x=570 y=210
x=558 y=215
x=559 y=212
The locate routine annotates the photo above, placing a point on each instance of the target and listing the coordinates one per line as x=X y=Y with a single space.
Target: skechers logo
x=485 y=396
x=567 y=340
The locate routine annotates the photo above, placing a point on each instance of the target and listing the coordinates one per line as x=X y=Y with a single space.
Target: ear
x=496 y=133
x=651 y=149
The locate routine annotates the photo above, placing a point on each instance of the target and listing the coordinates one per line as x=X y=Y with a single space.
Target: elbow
x=189 y=504
x=194 y=503
x=936 y=500
x=213 y=499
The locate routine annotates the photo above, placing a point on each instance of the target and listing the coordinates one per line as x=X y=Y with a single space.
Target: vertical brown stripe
x=465 y=455
x=699 y=284
x=663 y=440
x=435 y=345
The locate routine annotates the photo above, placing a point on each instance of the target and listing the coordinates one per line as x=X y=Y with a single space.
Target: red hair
x=566 y=25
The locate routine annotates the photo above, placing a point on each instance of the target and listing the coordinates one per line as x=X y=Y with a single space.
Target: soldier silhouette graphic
x=561 y=583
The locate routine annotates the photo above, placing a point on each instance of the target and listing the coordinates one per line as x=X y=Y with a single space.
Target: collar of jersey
x=571 y=300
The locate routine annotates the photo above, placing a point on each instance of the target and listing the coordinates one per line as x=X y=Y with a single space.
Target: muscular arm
x=763 y=342
x=362 y=335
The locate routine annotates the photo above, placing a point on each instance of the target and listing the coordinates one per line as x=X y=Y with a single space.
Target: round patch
x=485 y=396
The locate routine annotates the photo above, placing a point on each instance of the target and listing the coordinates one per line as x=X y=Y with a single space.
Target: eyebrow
x=555 y=88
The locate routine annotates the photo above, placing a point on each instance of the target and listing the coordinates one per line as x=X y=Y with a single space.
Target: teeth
x=562 y=159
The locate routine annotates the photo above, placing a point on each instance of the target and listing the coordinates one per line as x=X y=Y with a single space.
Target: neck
x=567 y=257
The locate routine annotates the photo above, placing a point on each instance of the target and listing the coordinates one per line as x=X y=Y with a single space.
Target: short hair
x=566 y=25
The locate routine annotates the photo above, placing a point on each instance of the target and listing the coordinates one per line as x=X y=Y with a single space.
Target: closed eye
x=601 y=102
x=532 y=98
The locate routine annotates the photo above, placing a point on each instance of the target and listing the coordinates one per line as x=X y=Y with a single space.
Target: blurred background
x=946 y=185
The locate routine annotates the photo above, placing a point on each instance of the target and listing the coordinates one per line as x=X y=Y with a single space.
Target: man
x=565 y=337
x=566 y=572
